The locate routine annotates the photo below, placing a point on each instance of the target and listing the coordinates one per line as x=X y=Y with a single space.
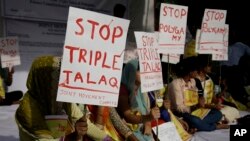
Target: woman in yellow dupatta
x=212 y=102
x=40 y=100
x=133 y=105
x=183 y=94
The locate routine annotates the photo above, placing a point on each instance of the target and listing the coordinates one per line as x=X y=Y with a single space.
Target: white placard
x=150 y=63
x=92 y=58
x=9 y=50
x=222 y=54
x=167 y=132
x=212 y=31
x=197 y=40
x=170 y=58
x=36 y=39
x=173 y=22
x=54 y=10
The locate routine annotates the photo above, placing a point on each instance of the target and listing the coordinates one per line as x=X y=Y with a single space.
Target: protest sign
x=222 y=54
x=172 y=28
x=212 y=31
x=9 y=50
x=92 y=58
x=150 y=63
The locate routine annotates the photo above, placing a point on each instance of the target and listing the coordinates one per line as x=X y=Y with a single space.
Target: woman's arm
x=93 y=131
x=120 y=125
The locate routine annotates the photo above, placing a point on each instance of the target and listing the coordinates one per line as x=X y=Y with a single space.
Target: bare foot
x=222 y=126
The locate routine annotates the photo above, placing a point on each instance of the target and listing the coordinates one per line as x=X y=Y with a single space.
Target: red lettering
x=107 y=31
x=67 y=72
x=171 y=29
x=104 y=60
x=151 y=66
x=8 y=42
x=88 y=79
x=94 y=23
x=103 y=79
x=165 y=8
x=98 y=56
x=146 y=54
x=115 y=62
x=92 y=57
x=214 y=15
x=82 y=55
x=71 y=52
x=176 y=13
x=78 y=22
x=147 y=41
x=117 y=35
x=104 y=31
x=78 y=76
x=171 y=9
x=183 y=12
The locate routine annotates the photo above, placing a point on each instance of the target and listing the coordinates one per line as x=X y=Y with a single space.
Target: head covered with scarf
x=42 y=83
x=136 y=97
x=40 y=98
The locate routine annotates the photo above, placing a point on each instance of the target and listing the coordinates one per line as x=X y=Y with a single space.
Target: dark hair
x=203 y=60
x=119 y=10
x=185 y=66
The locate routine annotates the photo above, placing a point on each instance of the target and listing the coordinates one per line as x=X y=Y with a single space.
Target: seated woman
x=40 y=101
x=6 y=78
x=212 y=100
x=227 y=98
x=167 y=115
x=133 y=106
x=183 y=95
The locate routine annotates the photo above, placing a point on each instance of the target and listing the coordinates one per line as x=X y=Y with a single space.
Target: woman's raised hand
x=81 y=127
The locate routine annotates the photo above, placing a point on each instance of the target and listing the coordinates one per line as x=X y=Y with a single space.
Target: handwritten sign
x=170 y=58
x=197 y=40
x=212 y=31
x=9 y=49
x=167 y=132
x=222 y=54
x=92 y=58
x=150 y=63
x=172 y=28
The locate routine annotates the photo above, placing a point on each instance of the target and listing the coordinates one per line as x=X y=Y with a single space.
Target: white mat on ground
x=8 y=127
x=217 y=135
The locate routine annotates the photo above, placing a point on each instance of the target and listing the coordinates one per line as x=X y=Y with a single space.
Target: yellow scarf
x=185 y=136
x=2 y=91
